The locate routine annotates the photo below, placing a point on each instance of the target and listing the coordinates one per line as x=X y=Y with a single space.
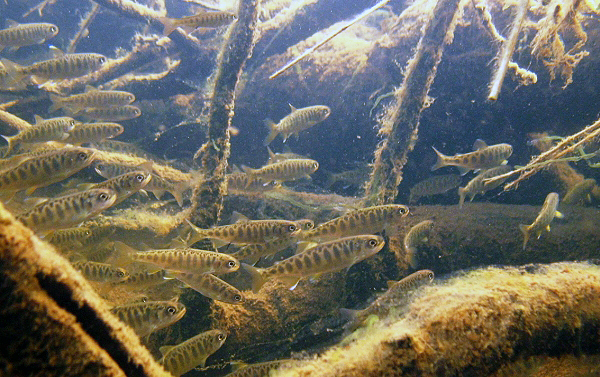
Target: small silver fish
x=298 y=120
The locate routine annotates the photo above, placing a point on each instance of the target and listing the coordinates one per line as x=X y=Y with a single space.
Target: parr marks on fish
x=45 y=169
x=246 y=232
x=55 y=129
x=416 y=236
x=261 y=369
x=144 y=279
x=63 y=67
x=67 y=211
x=126 y=184
x=114 y=114
x=101 y=272
x=18 y=35
x=362 y=221
x=287 y=170
x=326 y=257
x=210 y=286
x=202 y=19
x=147 y=317
x=242 y=184
x=580 y=193
x=298 y=120
x=185 y=356
x=435 y=185
x=92 y=97
x=93 y=132
x=484 y=157
x=543 y=220
x=63 y=238
x=481 y=184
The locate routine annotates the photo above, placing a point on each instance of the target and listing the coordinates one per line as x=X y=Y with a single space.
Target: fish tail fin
x=273 y=132
x=121 y=255
x=461 y=194
x=11 y=144
x=178 y=191
x=525 y=230
x=12 y=70
x=257 y=277
x=197 y=233
x=250 y=173
x=56 y=102
x=168 y=25
x=349 y=315
x=441 y=160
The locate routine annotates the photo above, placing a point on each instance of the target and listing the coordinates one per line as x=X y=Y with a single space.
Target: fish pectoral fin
x=164 y=349
x=462 y=170
x=559 y=215
x=304 y=245
x=547 y=228
x=31 y=190
x=505 y=162
x=290 y=282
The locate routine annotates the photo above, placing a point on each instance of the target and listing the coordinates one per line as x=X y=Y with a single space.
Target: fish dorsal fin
x=164 y=349
x=237 y=217
x=56 y=52
x=235 y=365
x=38 y=119
x=89 y=88
x=479 y=144
x=174 y=299
x=304 y=245
x=11 y=23
x=271 y=154
x=146 y=166
x=292 y=107
x=236 y=169
x=390 y=283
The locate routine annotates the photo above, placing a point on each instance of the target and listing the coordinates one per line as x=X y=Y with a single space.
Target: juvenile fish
x=55 y=129
x=362 y=221
x=251 y=231
x=144 y=279
x=147 y=317
x=202 y=19
x=416 y=236
x=392 y=298
x=93 y=132
x=113 y=114
x=12 y=121
x=479 y=185
x=47 y=168
x=92 y=97
x=124 y=185
x=579 y=193
x=484 y=157
x=253 y=252
x=543 y=219
x=283 y=171
x=326 y=257
x=63 y=67
x=210 y=286
x=189 y=260
x=101 y=272
x=241 y=183
x=63 y=238
x=185 y=356
x=67 y=211
x=18 y=35
x=277 y=157
x=259 y=369
x=298 y=120
x=438 y=184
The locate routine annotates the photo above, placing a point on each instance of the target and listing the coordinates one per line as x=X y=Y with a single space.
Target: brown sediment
x=476 y=323
x=400 y=121
x=53 y=324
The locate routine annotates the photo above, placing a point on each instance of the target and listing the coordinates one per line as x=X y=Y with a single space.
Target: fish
x=188 y=260
x=121 y=147
x=298 y=120
x=147 y=317
x=62 y=67
x=305 y=224
x=258 y=369
x=144 y=279
x=479 y=185
x=124 y=185
x=115 y=114
x=438 y=184
x=45 y=169
x=201 y=19
x=91 y=97
x=55 y=129
x=62 y=238
x=12 y=121
x=245 y=232
x=580 y=193
x=67 y=211
x=326 y=257
x=93 y=132
x=210 y=286
x=101 y=272
x=19 y=35
x=483 y=157
x=543 y=219
x=392 y=298
x=253 y=252
x=416 y=236
x=240 y=183
x=354 y=177
x=277 y=157
x=361 y=221
x=283 y=171
x=185 y=356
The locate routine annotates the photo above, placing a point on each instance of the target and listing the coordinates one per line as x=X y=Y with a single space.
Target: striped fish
x=144 y=279
x=55 y=129
x=298 y=120
x=241 y=183
x=283 y=171
x=253 y=252
x=259 y=369
x=543 y=219
x=185 y=356
x=202 y=19
x=147 y=317
x=18 y=35
x=101 y=272
x=93 y=132
x=416 y=236
x=92 y=97
x=484 y=157
x=67 y=211
x=114 y=114
x=326 y=257
x=478 y=185
x=210 y=286
x=124 y=185
x=362 y=221
x=246 y=232
x=63 y=67
x=438 y=184
x=63 y=238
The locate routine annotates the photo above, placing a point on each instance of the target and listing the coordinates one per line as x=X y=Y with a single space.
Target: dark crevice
x=91 y=324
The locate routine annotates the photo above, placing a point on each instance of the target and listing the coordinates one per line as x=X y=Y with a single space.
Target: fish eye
x=231 y=264
x=139 y=177
x=136 y=111
x=82 y=155
x=103 y=196
x=292 y=228
x=402 y=210
x=237 y=298
x=220 y=337
x=72 y=123
x=316 y=165
x=120 y=274
x=102 y=60
x=373 y=242
x=171 y=309
x=430 y=276
x=53 y=29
